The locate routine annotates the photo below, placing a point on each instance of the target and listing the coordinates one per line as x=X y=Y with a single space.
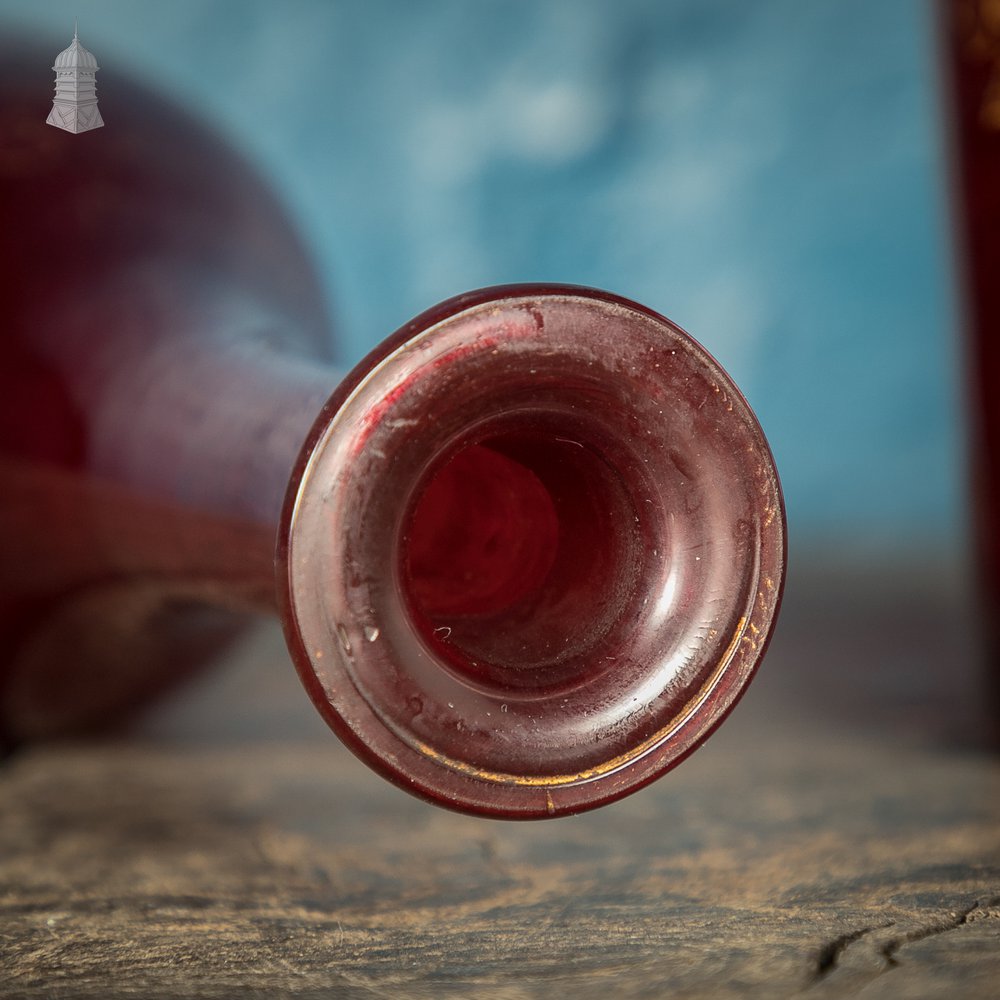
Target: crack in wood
x=828 y=957
x=829 y=954
x=891 y=947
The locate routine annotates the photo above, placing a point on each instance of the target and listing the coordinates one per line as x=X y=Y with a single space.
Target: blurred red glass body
x=528 y=557
x=971 y=35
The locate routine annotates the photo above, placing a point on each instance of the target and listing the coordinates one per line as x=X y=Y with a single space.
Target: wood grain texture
x=831 y=840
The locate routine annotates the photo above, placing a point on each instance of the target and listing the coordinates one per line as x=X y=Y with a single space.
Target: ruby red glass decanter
x=529 y=554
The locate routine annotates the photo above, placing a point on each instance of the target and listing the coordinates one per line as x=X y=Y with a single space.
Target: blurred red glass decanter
x=529 y=554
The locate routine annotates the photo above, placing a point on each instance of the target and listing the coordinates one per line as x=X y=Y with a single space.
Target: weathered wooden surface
x=840 y=836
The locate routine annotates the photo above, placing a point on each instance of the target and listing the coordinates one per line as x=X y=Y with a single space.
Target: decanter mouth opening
x=519 y=553
x=533 y=552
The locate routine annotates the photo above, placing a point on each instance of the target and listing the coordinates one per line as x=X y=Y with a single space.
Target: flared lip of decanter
x=387 y=690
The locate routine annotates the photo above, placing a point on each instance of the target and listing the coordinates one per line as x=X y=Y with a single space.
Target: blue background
x=771 y=175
